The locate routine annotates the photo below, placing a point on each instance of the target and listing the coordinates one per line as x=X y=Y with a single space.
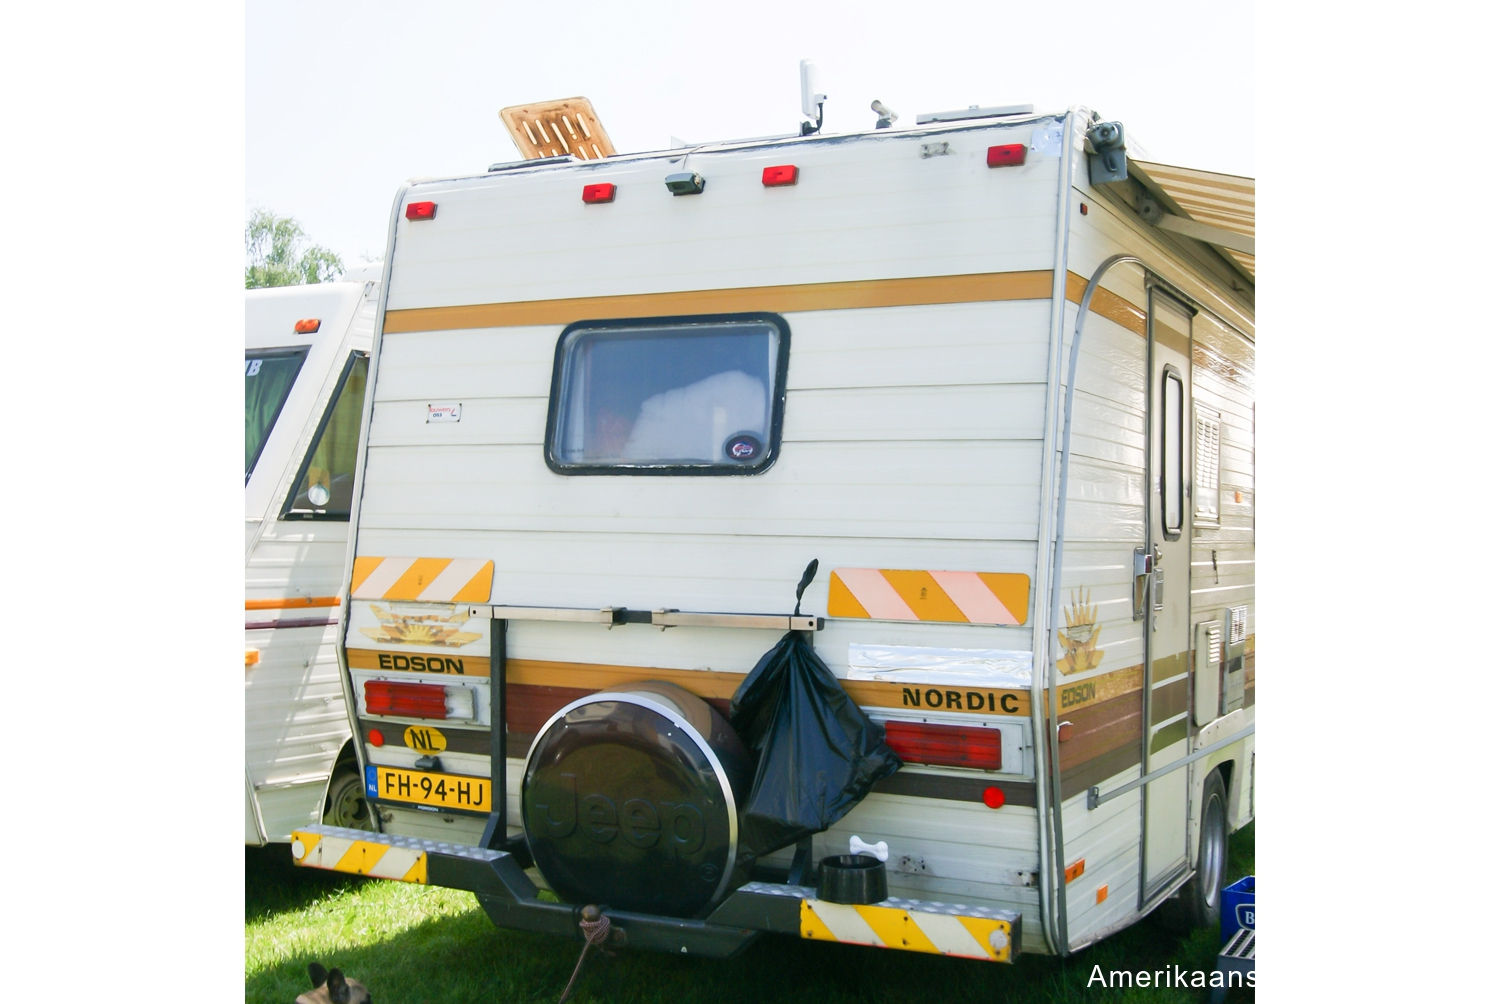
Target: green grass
x=422 y=945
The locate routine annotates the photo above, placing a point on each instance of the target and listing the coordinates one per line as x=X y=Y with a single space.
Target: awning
x=1218 y=209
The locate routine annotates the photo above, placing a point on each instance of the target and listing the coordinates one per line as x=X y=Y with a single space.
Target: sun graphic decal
x=421 y=629
x=1081 y=637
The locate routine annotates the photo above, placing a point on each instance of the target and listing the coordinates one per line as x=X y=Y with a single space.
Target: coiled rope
x=595 y=926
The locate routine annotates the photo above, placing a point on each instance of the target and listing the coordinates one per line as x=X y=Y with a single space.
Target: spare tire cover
x=631 y=798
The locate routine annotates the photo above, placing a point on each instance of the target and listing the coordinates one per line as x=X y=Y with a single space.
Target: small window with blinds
x=1205 y=467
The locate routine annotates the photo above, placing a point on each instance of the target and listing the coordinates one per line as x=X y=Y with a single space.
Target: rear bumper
x=512 y=900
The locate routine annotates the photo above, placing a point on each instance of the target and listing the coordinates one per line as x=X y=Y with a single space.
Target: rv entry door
x=1164 y=855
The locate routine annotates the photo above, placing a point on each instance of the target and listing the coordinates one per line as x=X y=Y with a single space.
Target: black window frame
x=772 y=448
x=1173 y=483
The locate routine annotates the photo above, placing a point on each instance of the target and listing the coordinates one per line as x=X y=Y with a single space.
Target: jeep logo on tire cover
x=626 y=804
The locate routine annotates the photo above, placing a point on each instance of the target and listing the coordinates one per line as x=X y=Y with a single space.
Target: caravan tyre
x=346 y=805
x=1197 y=903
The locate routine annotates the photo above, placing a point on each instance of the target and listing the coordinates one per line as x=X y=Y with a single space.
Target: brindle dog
x=330 y=987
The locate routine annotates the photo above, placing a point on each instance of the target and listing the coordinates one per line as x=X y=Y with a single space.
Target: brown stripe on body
x=973 y=288
x=981 y=287
x=1168 y=700
x=1105 y=739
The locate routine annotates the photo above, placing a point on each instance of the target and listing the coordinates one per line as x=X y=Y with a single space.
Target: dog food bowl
x=851 y=878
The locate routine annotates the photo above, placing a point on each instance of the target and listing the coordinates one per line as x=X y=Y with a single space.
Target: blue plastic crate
x=1237 y=908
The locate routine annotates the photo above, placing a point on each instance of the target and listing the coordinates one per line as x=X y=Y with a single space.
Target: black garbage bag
x=817 y=754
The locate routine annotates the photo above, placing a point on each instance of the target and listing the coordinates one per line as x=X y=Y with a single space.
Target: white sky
x=345 y=101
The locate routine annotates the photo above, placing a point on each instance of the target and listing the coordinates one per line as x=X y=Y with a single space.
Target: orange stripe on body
x=292 y=602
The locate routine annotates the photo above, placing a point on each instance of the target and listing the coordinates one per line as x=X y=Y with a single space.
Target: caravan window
x=269 y=375
x=325 y=484
x=668 y=396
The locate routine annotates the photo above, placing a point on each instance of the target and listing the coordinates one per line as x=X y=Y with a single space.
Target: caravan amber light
x=307 y=325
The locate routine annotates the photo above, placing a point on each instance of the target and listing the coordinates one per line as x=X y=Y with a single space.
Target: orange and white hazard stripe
x=433 y=580
x=343 y=850
x=905 y=595
x=905 y=925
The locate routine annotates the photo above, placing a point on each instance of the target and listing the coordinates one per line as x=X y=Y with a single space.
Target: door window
x=1171 y=453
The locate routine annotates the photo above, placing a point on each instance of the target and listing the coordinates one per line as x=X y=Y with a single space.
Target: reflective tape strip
x=432 y=580
x=970 y=937
x=358 y=857
x=955 y=597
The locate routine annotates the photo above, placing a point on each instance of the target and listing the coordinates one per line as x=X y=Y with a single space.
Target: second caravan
x=307 y=354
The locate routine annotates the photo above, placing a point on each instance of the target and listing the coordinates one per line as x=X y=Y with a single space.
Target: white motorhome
x=306 y=361
x=993 y=371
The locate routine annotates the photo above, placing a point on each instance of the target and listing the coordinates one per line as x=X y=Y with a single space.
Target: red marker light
x=421 y=210
x=782 y=174
x=307 y=326
x=994 y=797
x=377 y=738
x=602 y=192
x=1006 y=156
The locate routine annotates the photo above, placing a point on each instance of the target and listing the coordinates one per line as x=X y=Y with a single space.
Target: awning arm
x=1217 y=236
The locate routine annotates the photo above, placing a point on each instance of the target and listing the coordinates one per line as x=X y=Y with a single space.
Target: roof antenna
x=812 y=100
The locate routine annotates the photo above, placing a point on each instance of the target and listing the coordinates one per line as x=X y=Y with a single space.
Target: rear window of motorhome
x=325 y=484
x=269 y=375
x=688 y=396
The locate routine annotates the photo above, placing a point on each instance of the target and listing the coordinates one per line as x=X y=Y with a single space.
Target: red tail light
x=1006 y=156
x=944 y=745
x=412 y=700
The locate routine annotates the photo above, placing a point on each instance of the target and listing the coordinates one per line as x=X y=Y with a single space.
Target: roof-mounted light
x=781 y=174
x=1009 y=155
x=421 y=210
x=602 y=192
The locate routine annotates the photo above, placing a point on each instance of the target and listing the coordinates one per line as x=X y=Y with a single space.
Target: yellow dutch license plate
x=442 y=791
